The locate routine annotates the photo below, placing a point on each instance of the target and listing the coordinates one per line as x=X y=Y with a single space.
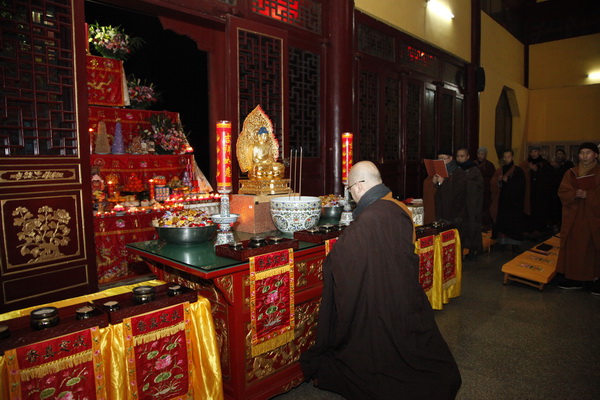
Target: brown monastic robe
x=579 y=255
x=377 y=337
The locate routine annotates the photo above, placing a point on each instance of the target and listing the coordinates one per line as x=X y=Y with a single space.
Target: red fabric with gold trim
x=132 y=121
x=105 y=81
x=329 y=245
x=448 y=255
x=65 y=367
x=426 y=252
x=159 y=358
x=271 y=300
x=111 y=234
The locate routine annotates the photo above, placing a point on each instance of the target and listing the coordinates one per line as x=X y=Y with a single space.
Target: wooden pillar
x=339 y=73
x=472 y=90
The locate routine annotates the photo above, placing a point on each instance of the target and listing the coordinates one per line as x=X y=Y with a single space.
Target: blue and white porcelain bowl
x=295 y=213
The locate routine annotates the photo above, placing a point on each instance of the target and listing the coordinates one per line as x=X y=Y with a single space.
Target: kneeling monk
x=376 y=335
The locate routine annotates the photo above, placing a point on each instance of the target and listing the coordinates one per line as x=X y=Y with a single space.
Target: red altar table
x=227 y=284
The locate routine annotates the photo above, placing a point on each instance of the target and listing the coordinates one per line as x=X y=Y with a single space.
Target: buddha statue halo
x=257 y=151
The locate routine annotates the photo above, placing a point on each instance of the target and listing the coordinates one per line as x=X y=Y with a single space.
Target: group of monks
x=534 y=199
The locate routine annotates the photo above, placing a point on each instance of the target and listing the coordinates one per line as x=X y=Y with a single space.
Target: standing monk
x=487 y=169
x=539 y=180
x=579 y=255
x=376 y=335
x=471 y=234
x=450 y=192
x=508 y=196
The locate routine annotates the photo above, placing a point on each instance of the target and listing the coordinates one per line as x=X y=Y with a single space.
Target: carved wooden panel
x=368 y=92
x=37 y=112
x=413 y=120
x=305 y=102
x=376 y=43
x=260 y=77
x=42 y=237
x=391 y=146
x=305 y=14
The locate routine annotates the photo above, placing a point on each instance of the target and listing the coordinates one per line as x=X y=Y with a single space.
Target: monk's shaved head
x=365 y=171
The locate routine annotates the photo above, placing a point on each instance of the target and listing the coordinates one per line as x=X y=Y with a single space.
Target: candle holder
x=224 y=219
x=346 y=218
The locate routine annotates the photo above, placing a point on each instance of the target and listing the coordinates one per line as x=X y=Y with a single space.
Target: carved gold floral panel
x=41 y=231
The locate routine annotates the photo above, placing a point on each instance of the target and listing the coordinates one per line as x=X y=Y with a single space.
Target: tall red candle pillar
x=347 y=138
x=224 y=156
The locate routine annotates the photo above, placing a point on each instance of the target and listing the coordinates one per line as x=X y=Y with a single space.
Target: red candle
x=151 y=188
x=224 y=156
x=346 y=155
x=111 y=189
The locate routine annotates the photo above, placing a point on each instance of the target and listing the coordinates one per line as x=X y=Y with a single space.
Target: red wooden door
x=46 y=249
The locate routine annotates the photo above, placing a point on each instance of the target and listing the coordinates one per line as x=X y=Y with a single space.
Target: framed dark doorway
x=173 y=62
x=506 y=109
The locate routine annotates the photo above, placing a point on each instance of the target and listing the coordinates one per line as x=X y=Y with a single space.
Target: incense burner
x=296 y=213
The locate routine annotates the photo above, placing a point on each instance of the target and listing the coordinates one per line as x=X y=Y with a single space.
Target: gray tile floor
x=513 y=341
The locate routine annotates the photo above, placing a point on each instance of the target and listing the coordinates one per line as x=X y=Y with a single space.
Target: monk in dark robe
x=471 y=237
x=428 y=201
x=487 y=169
x=376 y=334
x=508 y=196
x=579 y=254
x=450 y=205
x=539 y=191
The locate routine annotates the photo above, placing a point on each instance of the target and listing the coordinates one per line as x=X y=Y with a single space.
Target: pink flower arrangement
x=141 y=94
x=168 y=135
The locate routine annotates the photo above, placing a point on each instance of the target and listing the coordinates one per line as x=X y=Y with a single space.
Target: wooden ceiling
x=538 y=21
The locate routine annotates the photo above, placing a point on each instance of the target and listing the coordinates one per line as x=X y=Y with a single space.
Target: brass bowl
x=332 y=212
x=191 y=235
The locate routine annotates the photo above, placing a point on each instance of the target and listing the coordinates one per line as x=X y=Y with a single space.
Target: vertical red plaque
x=346 y=155
x=224 y=156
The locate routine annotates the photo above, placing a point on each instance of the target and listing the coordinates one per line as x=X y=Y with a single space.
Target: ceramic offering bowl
x=296 y=213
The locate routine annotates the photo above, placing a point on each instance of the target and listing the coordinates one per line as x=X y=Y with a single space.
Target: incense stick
x=300 y=187
x=295 y=169
x=291 y=179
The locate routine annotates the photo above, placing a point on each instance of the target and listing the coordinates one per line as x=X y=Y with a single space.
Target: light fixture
x=439 y=8
x=594 y=75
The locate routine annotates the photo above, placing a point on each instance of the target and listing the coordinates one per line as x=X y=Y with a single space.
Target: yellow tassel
x=55 y=366
x=158 y=334
x=272 y=272
x=272 y=344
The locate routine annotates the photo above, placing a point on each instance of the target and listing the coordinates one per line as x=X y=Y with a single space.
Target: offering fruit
x=184 y=219
x=330 y=200
x=134 y=184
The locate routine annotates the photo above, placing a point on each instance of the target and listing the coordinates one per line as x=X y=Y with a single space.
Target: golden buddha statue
x=264 y=165
x=257 y=151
